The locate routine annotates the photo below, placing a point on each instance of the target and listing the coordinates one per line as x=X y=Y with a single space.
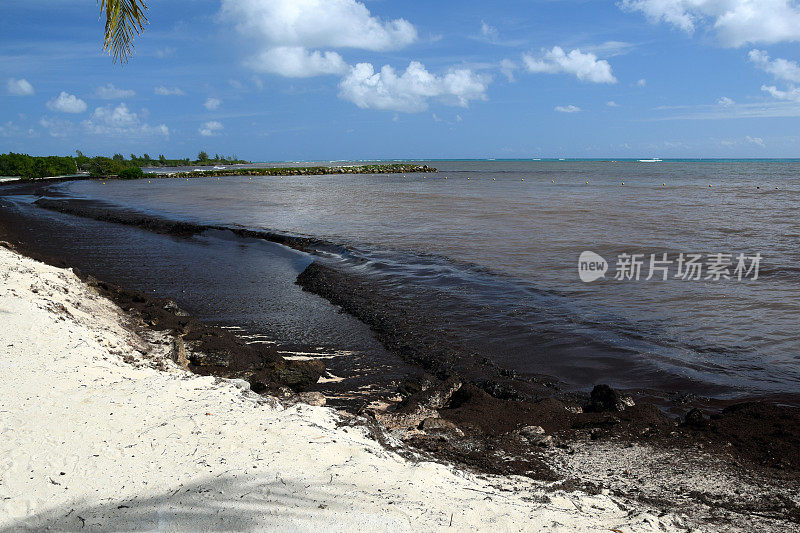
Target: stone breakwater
x=304 y=171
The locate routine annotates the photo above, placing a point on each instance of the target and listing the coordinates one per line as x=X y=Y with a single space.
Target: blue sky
x=339 y=79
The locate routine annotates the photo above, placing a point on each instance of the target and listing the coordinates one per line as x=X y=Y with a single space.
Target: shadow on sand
x=226 y=504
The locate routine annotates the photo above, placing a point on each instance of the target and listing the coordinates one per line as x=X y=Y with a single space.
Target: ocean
x=486 y=254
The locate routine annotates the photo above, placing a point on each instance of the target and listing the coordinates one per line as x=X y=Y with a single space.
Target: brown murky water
x=492 y=248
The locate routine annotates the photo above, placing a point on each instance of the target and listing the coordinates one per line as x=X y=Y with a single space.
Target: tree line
x=202 y=159
x=34 y=167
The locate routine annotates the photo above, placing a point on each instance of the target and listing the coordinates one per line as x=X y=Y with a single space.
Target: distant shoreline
x=271 y=171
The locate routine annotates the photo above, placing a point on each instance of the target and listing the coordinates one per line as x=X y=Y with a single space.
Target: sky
x=293 y=80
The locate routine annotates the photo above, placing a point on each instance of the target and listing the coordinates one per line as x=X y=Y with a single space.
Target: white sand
x=90 y=442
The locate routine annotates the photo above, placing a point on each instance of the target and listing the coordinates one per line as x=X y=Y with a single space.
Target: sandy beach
x=101 y=430
x=338 y=265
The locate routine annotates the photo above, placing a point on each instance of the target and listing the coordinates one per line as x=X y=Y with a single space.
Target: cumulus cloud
x=212 y=103
x=109 y=92
x=641 y=83
x=297 y=62
x=19 y=87
x=67 y=103
x=410 y=91
x=736 y=22
x=612 y=103
x=285 y=30
x=725 y=101
x=585 y=66
x=168 y=91
x=758 y=141
x=567 y=109
x=781 y=69
x=210 y=128
x=120 y=120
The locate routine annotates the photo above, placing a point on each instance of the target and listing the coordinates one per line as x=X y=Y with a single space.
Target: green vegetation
x=102 y=166
x=28 y=167
x=202 y=159
x=131 y=173
x=32 y=167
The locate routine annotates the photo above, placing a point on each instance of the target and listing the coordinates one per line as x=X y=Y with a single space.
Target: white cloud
x=10 y=129
x=210 y=128
x=611 y=48
x=736 y=22
x=781 y=69
x=109 y=92
x=19 y=87
x=314 y=24
x=738 y=142
x=567 y=109
x=489 y=32
x=119 y=117
x=120 y=120
x=165 y=52
x=507 y=68
x=287 y=30
x=612 y=103
x=769 y=109
x=212 y=103
x=792 y=94
x=57 y=127
x=585 y=66
x=168 y=91
x=410 y=91
x=641 y=83
x=297 y=62
x=726 y=102
x=67 y=103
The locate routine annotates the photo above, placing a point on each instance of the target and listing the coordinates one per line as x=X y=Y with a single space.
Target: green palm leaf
x=124 y=20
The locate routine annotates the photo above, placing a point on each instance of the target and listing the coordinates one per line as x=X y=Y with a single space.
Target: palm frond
x=125 y=19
